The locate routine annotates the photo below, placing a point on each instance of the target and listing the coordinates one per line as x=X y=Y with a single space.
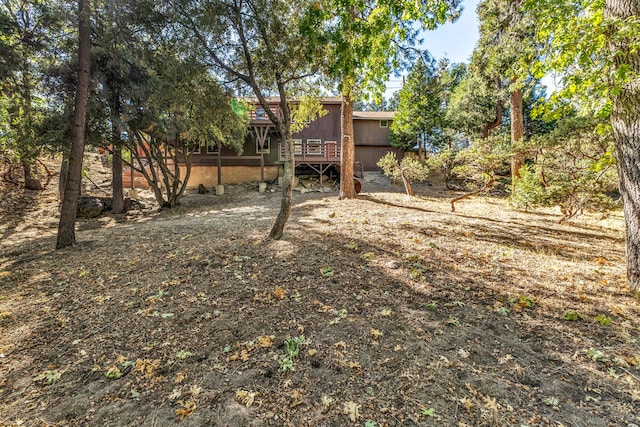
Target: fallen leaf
x=187 y=409
x=326 y=401
x=266 y=341
x=279 y=293
x=352 y=409
x=246 y=397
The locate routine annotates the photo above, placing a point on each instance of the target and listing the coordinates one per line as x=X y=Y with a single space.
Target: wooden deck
x=325 y=152
x=319 y=157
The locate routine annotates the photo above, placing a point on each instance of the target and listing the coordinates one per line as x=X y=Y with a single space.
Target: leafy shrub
x=409 y=169
x=573 y=169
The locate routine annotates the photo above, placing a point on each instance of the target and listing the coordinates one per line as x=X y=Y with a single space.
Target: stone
x=131 y=204
x=89 y=207
x=394 y=265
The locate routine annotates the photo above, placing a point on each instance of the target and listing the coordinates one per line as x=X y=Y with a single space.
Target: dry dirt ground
x=380 y=311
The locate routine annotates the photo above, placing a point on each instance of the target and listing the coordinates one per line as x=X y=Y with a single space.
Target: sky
x=455 y=40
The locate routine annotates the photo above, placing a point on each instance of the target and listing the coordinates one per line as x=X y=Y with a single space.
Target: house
x=317 y=148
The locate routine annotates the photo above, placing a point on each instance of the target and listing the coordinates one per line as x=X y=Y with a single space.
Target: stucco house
x=317 y=148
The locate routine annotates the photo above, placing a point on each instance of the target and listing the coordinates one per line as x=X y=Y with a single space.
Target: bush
x=409 y=169
x=573 y=169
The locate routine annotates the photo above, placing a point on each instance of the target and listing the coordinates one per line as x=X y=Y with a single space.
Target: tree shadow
x=16 y=204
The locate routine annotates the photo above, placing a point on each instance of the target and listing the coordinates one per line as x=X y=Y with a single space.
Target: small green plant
x=572 y=315
x=595 y=354
x=432 y=306
x=182 y=354
x=292 y=347
x=286 y=364
x=48 y=377
x=339 y=315
x=452 y=320
x=327 y=271
x=113 y=372
x=429 y=412
x=370 y=423
x=525 y=301
x=603 y=320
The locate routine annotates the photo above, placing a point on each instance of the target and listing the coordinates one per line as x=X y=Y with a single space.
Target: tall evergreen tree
x=506 y=40
x=66 y=227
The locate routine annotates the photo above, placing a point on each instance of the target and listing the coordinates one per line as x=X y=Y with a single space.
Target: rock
x=131 y=204
x=107 y=202
x=393 y=264
x=89 y=207
x=202 y=189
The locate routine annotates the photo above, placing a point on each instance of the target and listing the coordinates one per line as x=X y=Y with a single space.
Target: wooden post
x=219 y=164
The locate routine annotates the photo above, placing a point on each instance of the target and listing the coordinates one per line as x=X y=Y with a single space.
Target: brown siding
x=369 y=132
x=326 y=128
x=370 y=155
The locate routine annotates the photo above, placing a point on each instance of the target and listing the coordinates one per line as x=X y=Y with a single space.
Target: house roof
x=373 y=115
x=275 y=99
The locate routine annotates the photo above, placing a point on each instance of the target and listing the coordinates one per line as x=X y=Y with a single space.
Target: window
x=297 y=146
x=313 y=146
x=261 y=114
x=384 y=123
x=266 y=149
x=212 y=147
x=194 y=147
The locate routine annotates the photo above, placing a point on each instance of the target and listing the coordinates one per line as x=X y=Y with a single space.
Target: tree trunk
x=407 y=184
x=517 y=127
x=284 y=128
x=347 y=188
x=116 y=180
x=66 y=227
x=625 y=120
x=31 y=180
x=64 y=170
x=495 y=123
x=117 y=187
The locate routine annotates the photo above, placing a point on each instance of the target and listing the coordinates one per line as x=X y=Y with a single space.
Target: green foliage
x=446 y=161
x=409 y=169
x=292 y=347
x=361 y=42
x=429 y=412
x=480 y=164
x=31 y=36
x=575 y=38
x=48 y=377
x=603 y=320
x=573 y=168
x=573 y=315
x=506 y=41
x=420 y=113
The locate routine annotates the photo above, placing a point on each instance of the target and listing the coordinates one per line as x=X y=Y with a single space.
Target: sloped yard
x=384 y=311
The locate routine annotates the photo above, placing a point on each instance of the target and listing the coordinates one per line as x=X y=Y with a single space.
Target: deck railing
x=259 y=115
x=328 y=151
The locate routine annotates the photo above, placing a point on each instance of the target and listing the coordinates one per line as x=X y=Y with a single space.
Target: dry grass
x=411 y=315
